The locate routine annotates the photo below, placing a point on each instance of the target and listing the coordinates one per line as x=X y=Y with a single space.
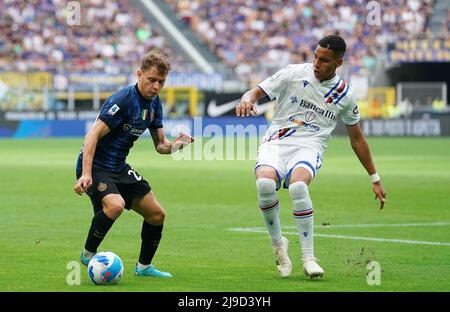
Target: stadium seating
x=111 y=36
x=258 y=37
x=42 y=51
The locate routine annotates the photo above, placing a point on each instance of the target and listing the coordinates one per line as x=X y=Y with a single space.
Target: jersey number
x=131 y=172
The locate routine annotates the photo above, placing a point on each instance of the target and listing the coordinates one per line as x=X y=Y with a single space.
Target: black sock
x=99 y=227
x=151 y=235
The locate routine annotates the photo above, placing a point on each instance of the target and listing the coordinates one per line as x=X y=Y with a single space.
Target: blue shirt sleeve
x=157 y=121
x=113 y=111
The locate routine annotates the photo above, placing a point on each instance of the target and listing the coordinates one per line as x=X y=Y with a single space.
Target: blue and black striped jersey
x=128 y=115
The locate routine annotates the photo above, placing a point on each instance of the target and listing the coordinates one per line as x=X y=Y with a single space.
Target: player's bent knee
x=266 y=186
x=266 y=172
x=298 y=190
x=113 y=209
x=157 y=218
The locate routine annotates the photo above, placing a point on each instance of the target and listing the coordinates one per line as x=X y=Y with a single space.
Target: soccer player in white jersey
x=309 y=100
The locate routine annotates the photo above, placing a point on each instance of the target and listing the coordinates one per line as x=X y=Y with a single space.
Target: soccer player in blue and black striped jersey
x=103 y=173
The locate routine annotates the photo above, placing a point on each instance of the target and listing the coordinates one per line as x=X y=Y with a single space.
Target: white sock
x=142 y=266
x=87 y=254
x=304 y=217
x=269 y=205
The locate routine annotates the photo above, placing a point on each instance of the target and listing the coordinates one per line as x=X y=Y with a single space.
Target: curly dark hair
x=335 y=43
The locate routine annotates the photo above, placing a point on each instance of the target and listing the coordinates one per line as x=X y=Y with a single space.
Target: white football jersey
x=306 y=109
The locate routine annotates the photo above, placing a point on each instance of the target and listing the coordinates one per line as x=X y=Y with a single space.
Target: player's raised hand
x=82 y=185
x=181 y=141
x=244 y=108
x=378 y=189
x=184 y=137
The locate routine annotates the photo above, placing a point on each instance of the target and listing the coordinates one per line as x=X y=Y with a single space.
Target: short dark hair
x=156 y=59
x=335 y=43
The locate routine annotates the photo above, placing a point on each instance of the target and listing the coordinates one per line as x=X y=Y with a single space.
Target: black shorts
x=129 y=184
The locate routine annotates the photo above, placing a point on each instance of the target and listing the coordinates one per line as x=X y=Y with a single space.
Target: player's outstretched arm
x=362 y=150
x=247 y=104
x=164 y=146
x=99 y=130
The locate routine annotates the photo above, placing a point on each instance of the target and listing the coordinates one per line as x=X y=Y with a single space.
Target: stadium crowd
x=45 y=35
x=252 y=37
x=258 y=37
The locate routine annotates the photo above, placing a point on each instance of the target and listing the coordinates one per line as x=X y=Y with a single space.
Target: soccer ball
x=105 y=268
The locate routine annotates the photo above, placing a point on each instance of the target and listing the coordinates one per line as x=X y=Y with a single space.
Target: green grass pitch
x=44 y=223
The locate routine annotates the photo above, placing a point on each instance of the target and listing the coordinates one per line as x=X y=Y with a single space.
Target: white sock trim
x=88 y=254
x=143 y=266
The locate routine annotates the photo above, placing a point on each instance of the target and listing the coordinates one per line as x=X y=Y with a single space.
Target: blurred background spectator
x=111 y=37
x=258 y=37
x=44 y=59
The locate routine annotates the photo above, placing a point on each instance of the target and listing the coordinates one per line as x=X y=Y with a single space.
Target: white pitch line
x=377 y=225
x=390 y=240
x=336 y=226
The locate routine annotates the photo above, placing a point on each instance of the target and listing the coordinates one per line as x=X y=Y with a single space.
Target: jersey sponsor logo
x=311 y=127
x=136 y=131
x=326 y=113
x=133 y=131
x=113 y=110
x=102 y=187
x=297 y=119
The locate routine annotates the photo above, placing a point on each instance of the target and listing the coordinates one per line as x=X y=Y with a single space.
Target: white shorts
x=285 y=157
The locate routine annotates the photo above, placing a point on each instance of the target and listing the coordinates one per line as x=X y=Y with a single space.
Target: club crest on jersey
x=113 y=110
